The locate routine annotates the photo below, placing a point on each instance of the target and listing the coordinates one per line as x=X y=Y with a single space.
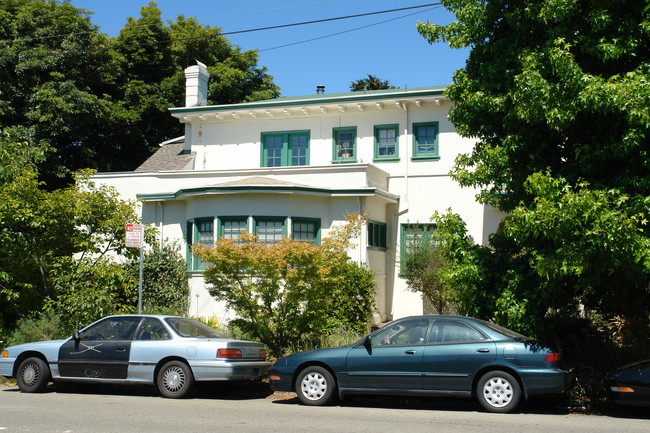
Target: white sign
x=134 y=235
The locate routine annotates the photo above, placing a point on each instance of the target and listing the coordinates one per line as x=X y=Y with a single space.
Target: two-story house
x=293 y=166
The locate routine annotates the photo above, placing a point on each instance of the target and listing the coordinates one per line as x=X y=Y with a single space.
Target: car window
x=402 y=333
x=453 y=331
x=152 y=329
x=112 y=329
x=191 y=328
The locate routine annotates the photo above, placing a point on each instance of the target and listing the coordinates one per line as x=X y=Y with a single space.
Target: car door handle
x=120 y=349
x=483 y=350
x=410 y=352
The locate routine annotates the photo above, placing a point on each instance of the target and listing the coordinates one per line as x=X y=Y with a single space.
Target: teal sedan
x=427 y=355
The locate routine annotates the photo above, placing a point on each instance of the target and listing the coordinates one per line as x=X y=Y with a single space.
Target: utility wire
x=115 y=47
x=36 y=38
x=347 y=31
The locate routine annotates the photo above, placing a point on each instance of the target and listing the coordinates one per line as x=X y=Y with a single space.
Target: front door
x=102 y=350
x=392 y=360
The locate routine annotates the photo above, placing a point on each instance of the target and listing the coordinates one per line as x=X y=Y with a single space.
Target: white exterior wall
x=228 y=151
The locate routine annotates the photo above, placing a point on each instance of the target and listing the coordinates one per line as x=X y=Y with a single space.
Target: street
x=87 y=409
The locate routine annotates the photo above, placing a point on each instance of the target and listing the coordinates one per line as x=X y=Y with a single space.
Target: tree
x=557 y=95
x=371 y=82
x=88 y=98
x=423 y=268
x=290 y=292
x=557 y=85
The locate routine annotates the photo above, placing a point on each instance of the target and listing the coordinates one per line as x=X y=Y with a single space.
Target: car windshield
x=191 y=328
x=503 y=331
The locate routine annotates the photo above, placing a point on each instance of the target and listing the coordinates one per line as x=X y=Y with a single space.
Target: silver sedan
x=167 y=351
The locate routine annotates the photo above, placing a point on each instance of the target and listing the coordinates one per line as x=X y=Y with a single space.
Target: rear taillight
x=553 y=357
x=262 y=354
x=229 y=353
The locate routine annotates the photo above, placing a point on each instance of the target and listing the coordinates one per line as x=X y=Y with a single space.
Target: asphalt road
x=87 y=409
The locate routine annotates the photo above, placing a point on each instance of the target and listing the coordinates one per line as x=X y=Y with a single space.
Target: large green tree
x=100 y=102
x=557 y=95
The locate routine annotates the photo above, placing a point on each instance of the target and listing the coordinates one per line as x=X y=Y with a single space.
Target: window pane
x=232 y=229
x=303 y=231
x=345 y=144
x=386 y=142
x=269 y=232
x=447 y=331
x=274 y=151
x=425 y=137
x=403 y=333
x=206 y=232
x=298 y=145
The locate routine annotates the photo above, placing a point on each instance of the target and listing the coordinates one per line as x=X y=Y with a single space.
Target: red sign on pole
x=134 y=235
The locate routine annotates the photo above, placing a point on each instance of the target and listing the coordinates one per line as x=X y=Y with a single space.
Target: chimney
x=320 y=90
x=196 y=85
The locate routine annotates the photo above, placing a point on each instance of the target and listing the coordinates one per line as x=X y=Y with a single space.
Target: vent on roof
x=320 y=90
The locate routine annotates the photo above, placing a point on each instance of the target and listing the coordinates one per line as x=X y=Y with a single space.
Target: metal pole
x=140 y=285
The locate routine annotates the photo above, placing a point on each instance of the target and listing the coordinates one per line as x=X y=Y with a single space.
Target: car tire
x=498 y=391
x=33 y=375
x=315 y=386
x=175 y=380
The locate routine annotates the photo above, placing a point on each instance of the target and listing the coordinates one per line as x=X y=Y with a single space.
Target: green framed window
x=305 y=230
x=345 y=144
x=270 y=230
x=199 y=231
x=386 y=143
x=410 y=234
x=425 y=140
x=232 y=227
x=288 y=148
x=376 y=234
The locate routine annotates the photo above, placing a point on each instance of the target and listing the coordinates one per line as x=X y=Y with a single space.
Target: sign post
x=135 y=239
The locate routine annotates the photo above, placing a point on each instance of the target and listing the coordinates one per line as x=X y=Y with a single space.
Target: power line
x=115 y=47
x=153 y=25
x=348 y=31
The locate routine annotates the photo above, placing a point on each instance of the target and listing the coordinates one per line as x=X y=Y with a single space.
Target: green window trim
x=344 y=144
x=425 y=141
x=386 y=143
x=266 y=227
x=410 y=231
x=230 y=227
x=300 y=229
x=198 y=231
x=285 y=148
x=376 y=235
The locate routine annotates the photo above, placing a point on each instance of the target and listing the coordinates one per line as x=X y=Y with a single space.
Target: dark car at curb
x=169 y=352
x=630 y=385
x=427 y=356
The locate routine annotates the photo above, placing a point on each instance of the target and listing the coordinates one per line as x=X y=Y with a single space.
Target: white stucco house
x=293 y=166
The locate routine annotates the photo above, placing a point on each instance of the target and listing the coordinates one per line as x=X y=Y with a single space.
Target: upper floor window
x=376 y=234
x=285 y=148
x=425 y=140
x=386 y=142
x=345 y=144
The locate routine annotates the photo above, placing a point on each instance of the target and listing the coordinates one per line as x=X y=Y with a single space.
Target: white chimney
x=196 y=85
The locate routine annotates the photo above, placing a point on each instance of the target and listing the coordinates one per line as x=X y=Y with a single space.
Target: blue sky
x=385 y=45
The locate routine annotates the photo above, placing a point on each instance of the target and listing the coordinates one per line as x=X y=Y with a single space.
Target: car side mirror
x=367 y=342
x=76 y=336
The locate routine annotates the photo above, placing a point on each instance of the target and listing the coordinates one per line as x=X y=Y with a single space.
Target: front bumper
x=281 y=377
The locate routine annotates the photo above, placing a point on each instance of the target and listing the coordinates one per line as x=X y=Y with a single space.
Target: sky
x=332 y=54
